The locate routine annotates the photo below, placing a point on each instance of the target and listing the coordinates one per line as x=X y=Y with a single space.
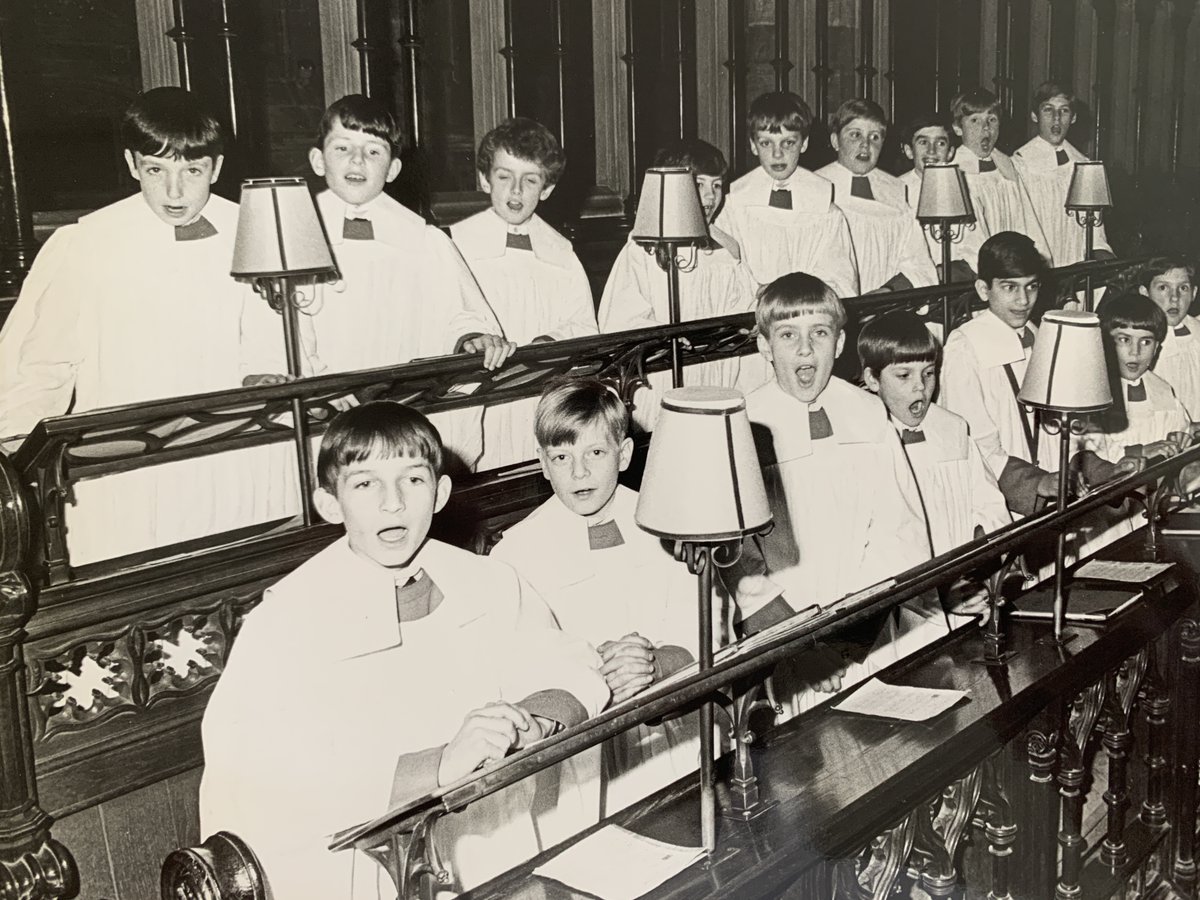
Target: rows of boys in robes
x=713 y=281
x=404 y=291
x=392 y=665
x=529 y=274
x=847 y=509
x=131 y=304
x=614 y=585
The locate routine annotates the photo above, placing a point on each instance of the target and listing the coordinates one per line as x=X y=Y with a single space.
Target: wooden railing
x=107 y=667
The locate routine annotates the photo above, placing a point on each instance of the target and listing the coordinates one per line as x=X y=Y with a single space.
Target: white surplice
x=970 y=240
x=603 y=595
x=712 y=282
x=958 y=490
x=1179 y=364
x=810 y=237
x=325 y=690
x=538 y=293
x=887 y=240
x=117 y=311
x=975 y=385
x=1001 y=199
x=1046 y=182
x=847 y=516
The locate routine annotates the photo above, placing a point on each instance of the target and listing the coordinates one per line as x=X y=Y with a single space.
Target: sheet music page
x=617 y=864
x=897 y=701
x=1119 y=570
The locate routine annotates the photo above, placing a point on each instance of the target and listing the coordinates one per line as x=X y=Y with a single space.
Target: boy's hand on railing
x=822 y=667
x=486 y=735
x=628 y=665
x=255 y=380
x=494 y=348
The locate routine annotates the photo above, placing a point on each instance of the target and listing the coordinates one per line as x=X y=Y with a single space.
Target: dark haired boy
x=458 y=654
x=846 y=507
x=612 y=584
x=1170 y=281
x=782 y=216
x=131 y=304
x=900 y=359
x=528 y=272
x=1000 y=197
x=1046 y=163
x=713 y=281
x=985 y=362
x=405 y=292
x=928 y=140
x=889 y=247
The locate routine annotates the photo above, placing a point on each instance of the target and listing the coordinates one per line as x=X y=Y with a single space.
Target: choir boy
x=1170 y=282
x=385 y=667
x=985 y=363
x=782 y=216
x=131 y=304
x=1046 y=163
x=958 y=491
x=528 y=272
x=611 y=584
x=405 y=291
x=928 y=140
x=1000 y=197
x=713 y=281
x=888 y=244
x=846 y=507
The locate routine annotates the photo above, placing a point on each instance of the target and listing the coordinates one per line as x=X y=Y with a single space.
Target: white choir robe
x=1179 y=363
x=847 y=516
x=325 y=691
x=1046 y=183
x=604 y=595
x=1001 y=199
x=966 y=248
x=811 y=237
x=405 y=295
x=1144 y=422
x=887 y=240
x=712 y=282
x=543 y=293
x=974 y=385
x=117 y=311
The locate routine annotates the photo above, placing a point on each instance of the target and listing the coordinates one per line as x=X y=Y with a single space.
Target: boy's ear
x=393 y=169
x=957 y=129
x=833 y=142
x=546 y=192
x=443 y=493
x=841 y=344
x=484 y=184
x=981 y=289
x=217 y=163
x=804 y=145
x=1033 y=117
x=1143 y=290
x=764 y=347
x=950 y=154
x=328 y=507
x=544 y=461
x=132 y=163
x=908 y=152
x=316 y=159
x=626 y=453
x=870 y=380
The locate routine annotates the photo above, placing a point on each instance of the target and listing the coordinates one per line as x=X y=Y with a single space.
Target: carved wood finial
x=222 y=868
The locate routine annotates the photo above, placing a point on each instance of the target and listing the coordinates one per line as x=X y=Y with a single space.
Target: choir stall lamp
x=1087 y=198
x=279 y=245
x=944 y=210
x=1065 y=381
x=669 y=216
x=703 y=489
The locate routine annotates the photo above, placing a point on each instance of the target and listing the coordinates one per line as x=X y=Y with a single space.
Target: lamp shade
x=279 y=231
x=1089 y=187
x=702 y=480
x=669 y=209
x=1066 y=371
x=944 y=195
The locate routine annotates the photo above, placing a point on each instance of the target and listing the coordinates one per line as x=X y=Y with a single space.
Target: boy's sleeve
x=42 y=340
x=626 y=304
x=962 y=392
x=759 y=602
x=449 y=292
x=579 y=311
x=896 y=536
x=838 y=267
x=915 y=262
x=988 y=505
x=1033 y=225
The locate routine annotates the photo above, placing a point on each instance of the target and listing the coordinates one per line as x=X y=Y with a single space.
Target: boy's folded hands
x=628 y=665
x=487 y=734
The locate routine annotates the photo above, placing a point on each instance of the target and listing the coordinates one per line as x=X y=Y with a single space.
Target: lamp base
x=1051 y=641
x=737 y=814
x=994 y=661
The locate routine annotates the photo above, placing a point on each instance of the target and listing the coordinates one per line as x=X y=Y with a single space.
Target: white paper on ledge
x=898 y=701
x=1120 y=570
x=617 y=864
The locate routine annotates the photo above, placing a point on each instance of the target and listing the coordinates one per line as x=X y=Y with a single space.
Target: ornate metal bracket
x=410 y=861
